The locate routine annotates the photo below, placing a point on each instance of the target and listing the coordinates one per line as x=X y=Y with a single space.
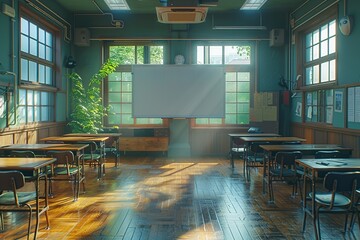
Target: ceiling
x=148 y=6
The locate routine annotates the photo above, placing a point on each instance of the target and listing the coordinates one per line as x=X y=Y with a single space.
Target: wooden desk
x=234 y=136
x=75 y=139
x=312 y=167
x=35 y=165
x=113 y=137
x=305 y=149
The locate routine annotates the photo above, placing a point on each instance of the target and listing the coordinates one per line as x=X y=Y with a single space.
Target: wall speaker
x=276 y=37
x=345 y=25
x=82 y=37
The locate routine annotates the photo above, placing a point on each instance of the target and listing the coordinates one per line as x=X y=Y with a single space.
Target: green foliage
x=87 y=107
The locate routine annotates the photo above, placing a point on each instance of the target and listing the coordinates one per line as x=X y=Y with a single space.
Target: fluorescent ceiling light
x=239 y=27
x=253 y=4
x=117 y=4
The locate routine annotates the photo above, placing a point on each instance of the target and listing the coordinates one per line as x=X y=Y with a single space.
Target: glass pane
x=332 y=45
x=33 y=71
x=140 y=55
x=332 y=70
x=309 y=54
x=22 y=96
x=230 y=87
x=230 y=76
x=316 y=37
x=114 y=97
x=24 y=26
x=30 y=114
x=243 y=87
x=116 y=76
x=201 y=121
x=230 y=118
x=332 y=28
x=33 y=47
x=41 y=51
x=325 y=72
x=230 y=108
x=114 y=86
x=126 y=86
x=127 y=76
x=243 y=76
x=33 y=31
x=24 y=43
x=215 y=120
x=49 y=76
x=114 y=108
x=36 y=98
x=24 y=70
x=126 y=97
x=48 y=53
x=44 y=114
x=243 y=108
x=316 y=72
x=324 y=48
x=41 y=35
x=324 y=32
x=230 y=97
x=22 y=114
x=114 y=119
x=30 y=97
x=316 y=52
x=125 y=54
x=308 y=40
x=309 y=76
x=49 y=39
x=37 y=114
x=126 y=108
x=127 y=119
x=42 y=74
x=243 y=97
x=243 y=119
x=199 y=55
x=231 y=55
x=215 y=54
x=156 y=55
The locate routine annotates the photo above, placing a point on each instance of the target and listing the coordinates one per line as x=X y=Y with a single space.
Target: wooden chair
x=283 y=168
x=91 y=154
x=12 y=200
x=340 y=197
x=66 y=168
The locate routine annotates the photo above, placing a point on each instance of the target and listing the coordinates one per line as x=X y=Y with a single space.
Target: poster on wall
x=338 y=101
x=298 y=109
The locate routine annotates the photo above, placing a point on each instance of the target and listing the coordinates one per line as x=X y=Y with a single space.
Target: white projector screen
x=178 y=91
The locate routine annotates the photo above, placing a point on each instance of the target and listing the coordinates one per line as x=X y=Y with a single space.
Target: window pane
x=44 y=113
x=24 y=70
x=42 y=51
x=24 y=43
x=332 y=45
x=316 y=74
x=37 y=114
x=332 y=28
x=24 y=26
x=45 y=98
x=156 y=55
x=230 y=97
x=309 y=76
x=309 y=55
x=216 y=55
x=49 y=39
x=114 y=86
x=140 y=55
x=22 y=97
x=308 y=41
x=33 y=31
x=41 y=74
x=33 y=47
x=48 y=54
x=316 y=37
x=325 y=72
x=30 y=114
x=37 y=98
x=316 y=52
x=30 y=97
x=49 y=76
x=32 y=71
x=332 y=70
x=324 y=32
x=200 y=54
x=324 y=48
x=22 y=114
x=230 y=86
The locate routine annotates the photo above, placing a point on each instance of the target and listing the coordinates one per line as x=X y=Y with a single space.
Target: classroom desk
x=312 y=167
x=234 y=136
x=113 y=137
x=76 y=139
x=305 y=149
x=35 y=165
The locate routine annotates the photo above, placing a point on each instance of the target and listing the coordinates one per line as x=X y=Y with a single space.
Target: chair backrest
x=62 y=157
x=328 y=154
x=256 y=149
x=287 y=158
x=27 y=154
x=91 y=148
x=11 y=180
x=342 y=181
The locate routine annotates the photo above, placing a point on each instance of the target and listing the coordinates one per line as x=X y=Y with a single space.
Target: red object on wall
x=286 y=97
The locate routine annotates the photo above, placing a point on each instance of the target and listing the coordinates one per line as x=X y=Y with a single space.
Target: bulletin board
x=265 y=107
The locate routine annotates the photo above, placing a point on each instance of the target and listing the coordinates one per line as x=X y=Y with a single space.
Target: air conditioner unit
x=181 y=15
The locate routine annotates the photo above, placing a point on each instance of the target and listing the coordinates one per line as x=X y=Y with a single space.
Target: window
x=119 y=83
x=239 y=72
x=35 y=106
x=38 y=64
x=320 y=54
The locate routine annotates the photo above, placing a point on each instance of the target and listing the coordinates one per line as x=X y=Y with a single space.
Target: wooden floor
x=161 y=198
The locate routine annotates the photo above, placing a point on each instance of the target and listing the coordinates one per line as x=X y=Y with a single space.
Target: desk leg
x=117 y=159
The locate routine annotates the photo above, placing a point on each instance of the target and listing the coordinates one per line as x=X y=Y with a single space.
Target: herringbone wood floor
x=162 y=198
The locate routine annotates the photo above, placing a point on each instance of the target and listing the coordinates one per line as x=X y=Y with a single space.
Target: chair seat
x=91 y=157
x=285 y=172
x=256 y=159
x=325 y=199
x=63 y=170
x=7 y=198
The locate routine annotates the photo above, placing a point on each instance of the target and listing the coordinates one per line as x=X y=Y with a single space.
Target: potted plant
x=87 y=107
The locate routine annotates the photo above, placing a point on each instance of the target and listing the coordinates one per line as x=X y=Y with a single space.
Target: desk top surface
x=304 y=147
x=19 y=163
x=46 y=147
x=75 y=138
x=254 y=135
x=272 y=139
x=331 y=164
x=93 y=135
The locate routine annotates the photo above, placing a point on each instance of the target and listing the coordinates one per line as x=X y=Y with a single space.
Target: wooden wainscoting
x=150 y=144
x=322 y=134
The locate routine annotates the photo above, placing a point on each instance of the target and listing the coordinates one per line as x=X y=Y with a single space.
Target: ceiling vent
x=181 y=15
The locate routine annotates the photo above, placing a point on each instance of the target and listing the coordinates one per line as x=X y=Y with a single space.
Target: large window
x=239 y=73
x=320 y=54
x=37 y=69
x=119 y=83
